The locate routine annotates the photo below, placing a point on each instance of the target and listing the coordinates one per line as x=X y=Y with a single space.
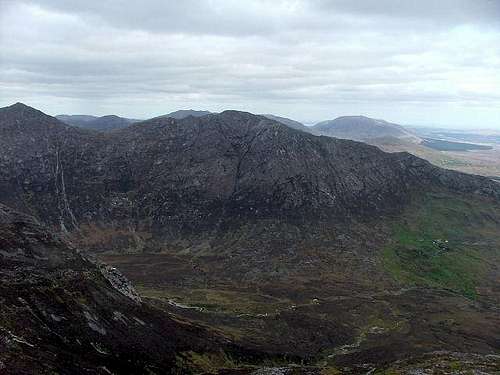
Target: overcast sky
x=411 y=61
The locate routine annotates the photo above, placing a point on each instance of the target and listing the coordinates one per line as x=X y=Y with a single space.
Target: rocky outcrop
x=119 y=282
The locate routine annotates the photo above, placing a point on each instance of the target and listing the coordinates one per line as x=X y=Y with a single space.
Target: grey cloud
x=187 y=16
x=263 y=17
x=305 y=59
x=443 y=11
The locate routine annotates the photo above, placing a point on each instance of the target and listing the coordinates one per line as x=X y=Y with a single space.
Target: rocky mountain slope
x=200 y=171
x=322 y=249
x=104 y=123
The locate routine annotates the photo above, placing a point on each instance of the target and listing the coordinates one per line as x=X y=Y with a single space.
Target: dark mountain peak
x=362 y=128
x=358 y=120
x=20 y=117
x=21 y=109
x=28 y=133
x=20 y=105
x=354 y=117
x=237 y=114
x=183 y=113
x=216 y=127
x=238 y=118
x=111 y=117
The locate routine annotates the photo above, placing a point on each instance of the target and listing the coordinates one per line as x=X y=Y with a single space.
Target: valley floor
x=433 y=288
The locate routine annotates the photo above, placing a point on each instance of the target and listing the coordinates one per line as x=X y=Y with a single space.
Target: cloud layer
x=411 y=62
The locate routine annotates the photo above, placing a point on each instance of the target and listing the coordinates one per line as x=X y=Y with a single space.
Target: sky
x=414 y=62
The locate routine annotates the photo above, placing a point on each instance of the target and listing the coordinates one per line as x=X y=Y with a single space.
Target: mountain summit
x=183 y=113
x=362 y=128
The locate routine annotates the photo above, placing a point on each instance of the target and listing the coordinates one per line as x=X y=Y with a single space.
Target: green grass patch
x=435 y=243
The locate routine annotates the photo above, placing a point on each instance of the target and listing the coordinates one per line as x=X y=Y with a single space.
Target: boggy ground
x=351 y=299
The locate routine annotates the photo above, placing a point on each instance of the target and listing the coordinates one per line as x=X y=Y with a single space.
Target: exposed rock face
x=61 y=313
x=172 y=176
x=119 y=282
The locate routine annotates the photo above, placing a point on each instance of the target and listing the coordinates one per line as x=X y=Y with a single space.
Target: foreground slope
x=62 y=313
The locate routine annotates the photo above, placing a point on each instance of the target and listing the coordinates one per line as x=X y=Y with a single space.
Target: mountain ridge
x=289 y=122
x=104 y=123
x=183 y=113
x=227 y=146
